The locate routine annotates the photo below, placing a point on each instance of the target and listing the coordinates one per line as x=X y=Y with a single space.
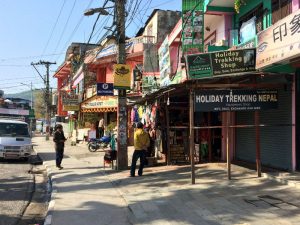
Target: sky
x=34 y=30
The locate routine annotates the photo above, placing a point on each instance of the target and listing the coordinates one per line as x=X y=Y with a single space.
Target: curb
x=281 y=180
x=53 y=191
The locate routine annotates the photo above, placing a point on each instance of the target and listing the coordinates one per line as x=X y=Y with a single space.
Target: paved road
x=163 y=195
x=22 y=193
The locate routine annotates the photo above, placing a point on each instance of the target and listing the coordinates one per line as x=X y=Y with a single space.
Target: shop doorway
x=208 y=136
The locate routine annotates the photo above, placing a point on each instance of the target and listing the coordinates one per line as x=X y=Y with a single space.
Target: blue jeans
x=59 y=156
x=138 y=154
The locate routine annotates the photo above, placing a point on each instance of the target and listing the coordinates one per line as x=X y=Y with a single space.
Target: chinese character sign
x=192 y=26
x=280 y=42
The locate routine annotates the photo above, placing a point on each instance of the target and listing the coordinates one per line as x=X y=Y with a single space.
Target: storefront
x=278 y=52
x=97 y=107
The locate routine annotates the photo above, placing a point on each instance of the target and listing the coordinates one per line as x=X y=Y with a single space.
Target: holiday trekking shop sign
x=221 y=63
x=280 y=42
x=235 y=100
x=230 y=62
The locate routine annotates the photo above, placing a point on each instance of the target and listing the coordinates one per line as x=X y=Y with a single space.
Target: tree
x=39 y=104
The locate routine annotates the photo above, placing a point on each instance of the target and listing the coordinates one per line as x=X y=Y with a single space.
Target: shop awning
x=110 y=109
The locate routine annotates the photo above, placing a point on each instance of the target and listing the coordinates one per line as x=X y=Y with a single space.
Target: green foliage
x=111 y=126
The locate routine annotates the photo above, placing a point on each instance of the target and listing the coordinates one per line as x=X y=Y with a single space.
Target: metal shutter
x=276 y=142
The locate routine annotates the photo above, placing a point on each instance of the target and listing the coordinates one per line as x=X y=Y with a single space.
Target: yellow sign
x=70 y=107
x=122 y=76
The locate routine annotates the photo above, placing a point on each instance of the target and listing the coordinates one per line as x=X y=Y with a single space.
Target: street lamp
x=31 y=101
x=92 y=11
x=122 y=159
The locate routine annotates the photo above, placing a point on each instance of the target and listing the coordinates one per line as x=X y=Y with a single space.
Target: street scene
x=150 y=112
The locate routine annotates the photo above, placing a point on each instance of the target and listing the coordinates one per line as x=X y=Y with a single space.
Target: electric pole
x=47 y=93
x=122 y=158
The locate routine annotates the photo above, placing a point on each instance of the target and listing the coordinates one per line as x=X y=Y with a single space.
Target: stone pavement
x=85 y=193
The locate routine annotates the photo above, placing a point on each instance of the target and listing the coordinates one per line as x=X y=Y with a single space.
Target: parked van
x=15 y=140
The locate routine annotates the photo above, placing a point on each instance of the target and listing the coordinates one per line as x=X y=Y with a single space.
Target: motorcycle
x=99 y=143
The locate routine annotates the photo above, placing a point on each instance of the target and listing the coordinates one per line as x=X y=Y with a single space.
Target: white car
x=15 y=140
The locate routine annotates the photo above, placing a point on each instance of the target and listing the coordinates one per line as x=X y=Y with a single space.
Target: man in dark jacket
x=59 y=139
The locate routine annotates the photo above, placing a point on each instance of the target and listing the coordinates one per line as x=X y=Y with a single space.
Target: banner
x=235 y=100
x=192 y=26
x=280 y=42
x=122 y=76
x=164 y=62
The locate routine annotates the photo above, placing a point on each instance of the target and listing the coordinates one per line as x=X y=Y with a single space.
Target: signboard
x=105 y=89
x=164 y=61
x=100 y=102
x=235 y=100
x=137 y=75
x=280 y=42
x=122 y=76
x=237 y=61
x=70 y=107
x=221 y=63
x=31 y=114
x=192 y=26
x=69 y=98
x=199 y=65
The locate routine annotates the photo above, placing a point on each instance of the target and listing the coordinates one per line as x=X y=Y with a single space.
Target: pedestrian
x=141 y=143
x=101 y=127
x=59 y=139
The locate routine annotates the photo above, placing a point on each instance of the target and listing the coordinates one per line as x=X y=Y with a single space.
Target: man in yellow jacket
x=141 y=143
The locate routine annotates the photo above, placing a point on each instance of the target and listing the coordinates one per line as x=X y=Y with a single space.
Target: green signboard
x=221 y=63
x=31 y=114
x=192 y=26
x=199 y=66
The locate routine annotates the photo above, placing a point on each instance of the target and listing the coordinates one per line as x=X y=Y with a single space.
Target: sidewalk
x=84 y=193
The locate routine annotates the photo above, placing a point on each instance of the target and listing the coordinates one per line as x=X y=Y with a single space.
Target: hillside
x=24 y=95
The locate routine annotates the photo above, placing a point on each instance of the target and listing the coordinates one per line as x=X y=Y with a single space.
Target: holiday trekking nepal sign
x=105 y=89
x=228 y=62
x=280 y=42
x=192 y=26
x=122 y=76
x=235 y=100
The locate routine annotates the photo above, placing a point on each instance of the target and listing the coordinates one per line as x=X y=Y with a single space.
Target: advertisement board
x=221 y=63
x=280 y=42
x=235 y=100
x=122 y=76
x=192 y=26
x=164 y=61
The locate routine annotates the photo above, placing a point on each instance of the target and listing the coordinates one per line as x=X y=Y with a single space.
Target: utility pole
x=47 y=95
x=122 y=158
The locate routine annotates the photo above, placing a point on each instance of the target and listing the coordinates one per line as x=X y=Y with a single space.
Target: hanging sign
x=105 y=89
x=122 y=76
x=280 y=42
x=235 y=100
x=237 y=61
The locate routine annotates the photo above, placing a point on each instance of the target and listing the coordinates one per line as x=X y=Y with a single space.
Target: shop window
x=280 y=9
x=255 y=14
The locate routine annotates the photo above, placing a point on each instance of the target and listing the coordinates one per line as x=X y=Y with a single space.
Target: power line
x=30 y=57
x=64 y=29
x=75 y=29
x=53 y=28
